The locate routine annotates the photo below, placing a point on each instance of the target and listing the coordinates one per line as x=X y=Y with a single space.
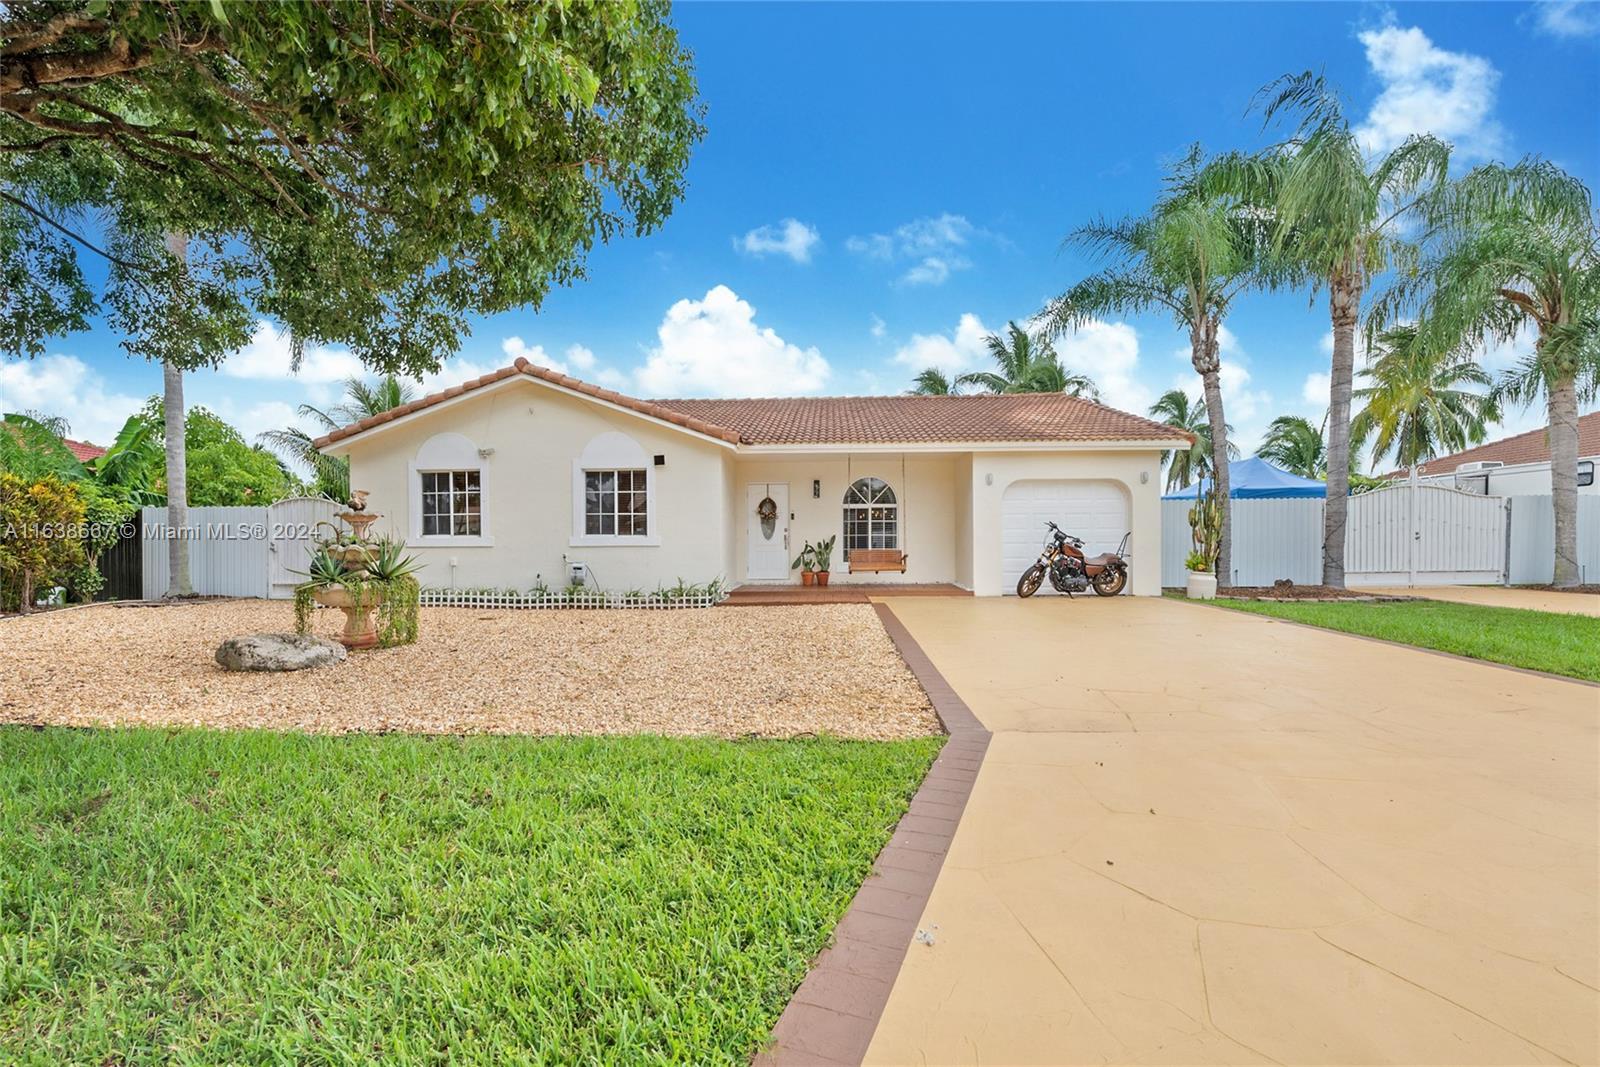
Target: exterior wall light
x=816 y=489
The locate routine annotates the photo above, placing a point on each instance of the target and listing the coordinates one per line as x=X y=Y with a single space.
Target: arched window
x=871 y=516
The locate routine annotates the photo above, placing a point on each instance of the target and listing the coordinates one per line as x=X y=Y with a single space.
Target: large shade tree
x=1190 y=257
x=367 y=174
x=1177 y=408
x=1421 y=401
x=1517 y=248
x=1341 y=215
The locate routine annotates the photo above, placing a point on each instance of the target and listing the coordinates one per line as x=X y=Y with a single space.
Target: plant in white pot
x=1205 y=526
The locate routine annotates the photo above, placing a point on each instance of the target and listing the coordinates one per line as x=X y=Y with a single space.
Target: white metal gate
x=292 y=524
x=1425 y=535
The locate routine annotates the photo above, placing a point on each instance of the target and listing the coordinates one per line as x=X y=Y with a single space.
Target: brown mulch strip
x=769 y=672
x=1297 y=592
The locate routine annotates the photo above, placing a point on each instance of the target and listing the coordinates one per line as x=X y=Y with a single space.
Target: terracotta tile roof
x=522 y=366
x=923 y=419
x=840 y=419
x=83 y=449
x=1530 y=447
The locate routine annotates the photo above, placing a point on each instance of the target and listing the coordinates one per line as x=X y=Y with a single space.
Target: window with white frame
x=450 y=493
x=452 y=503
x=614 y=494
x=616 y=503
x=871 y=516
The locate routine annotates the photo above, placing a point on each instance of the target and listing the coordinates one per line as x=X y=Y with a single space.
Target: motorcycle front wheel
x=1030 y=581
x=1110 y=581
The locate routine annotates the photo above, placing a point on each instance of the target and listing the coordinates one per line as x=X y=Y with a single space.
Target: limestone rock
x=277 y=652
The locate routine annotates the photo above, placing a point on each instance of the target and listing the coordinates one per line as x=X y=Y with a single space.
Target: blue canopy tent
x=1256 y=479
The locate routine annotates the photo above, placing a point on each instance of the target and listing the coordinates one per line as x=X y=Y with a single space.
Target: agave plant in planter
x=361 y=578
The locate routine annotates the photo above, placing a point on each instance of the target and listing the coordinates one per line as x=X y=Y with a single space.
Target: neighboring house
x=1513 y=466
x=518 y=475
x=82 y=450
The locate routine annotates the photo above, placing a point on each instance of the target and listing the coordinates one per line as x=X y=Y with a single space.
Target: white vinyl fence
x=1402 y=535
x=237 y=551
x=1533 y=539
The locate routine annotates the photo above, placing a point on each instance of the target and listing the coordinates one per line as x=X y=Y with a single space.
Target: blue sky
x=882 y=184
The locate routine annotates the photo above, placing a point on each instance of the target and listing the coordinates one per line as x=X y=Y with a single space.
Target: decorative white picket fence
x=1400 y=535
x=578 y=599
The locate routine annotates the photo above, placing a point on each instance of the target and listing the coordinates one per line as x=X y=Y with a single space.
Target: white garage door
x=1095 y=511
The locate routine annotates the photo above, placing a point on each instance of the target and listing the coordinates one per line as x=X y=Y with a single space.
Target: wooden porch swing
x=877 y=560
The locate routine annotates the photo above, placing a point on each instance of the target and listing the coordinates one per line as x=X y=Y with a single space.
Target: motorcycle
x=1069 y=571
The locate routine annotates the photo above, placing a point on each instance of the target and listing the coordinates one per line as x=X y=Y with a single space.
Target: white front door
x=768 y=537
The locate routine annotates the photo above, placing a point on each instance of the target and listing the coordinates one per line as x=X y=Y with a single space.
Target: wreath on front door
x=767 y=512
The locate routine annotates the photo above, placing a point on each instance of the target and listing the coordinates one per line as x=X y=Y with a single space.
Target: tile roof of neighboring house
x=83 y=449
x=841 y=419
x=1530 y=447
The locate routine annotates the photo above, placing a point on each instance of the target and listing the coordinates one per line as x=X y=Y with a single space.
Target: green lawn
x=197 y=896
x=1538 y=640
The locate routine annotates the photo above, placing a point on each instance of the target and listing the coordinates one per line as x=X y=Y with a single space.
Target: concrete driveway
x=1201 y=836
x=1496 y=596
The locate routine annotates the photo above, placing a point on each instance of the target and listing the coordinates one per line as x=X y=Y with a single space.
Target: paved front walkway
x=1205 y=837
x=1496 y=596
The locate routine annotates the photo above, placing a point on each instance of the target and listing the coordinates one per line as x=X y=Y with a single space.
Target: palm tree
x=933 y=382
x=1518 y=247
x=1191 y=256
x=1421 y=402
x=331 y=474
x=1176 y=409
x=1027 y=365
x=1292 y=443
x=1340 y=219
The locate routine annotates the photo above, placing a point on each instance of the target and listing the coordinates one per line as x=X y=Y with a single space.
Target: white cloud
x=791 y=238
x=931 y=271
x=1567 y=18
x=66 y=387
x=269 y=356
x=1108 y=352
x=577 y=360
x=1427 y=89
x=878 y=327
x=713 y=347
x=933 y=246
x=1316 y=389
x=453 y=372
x=955 y=353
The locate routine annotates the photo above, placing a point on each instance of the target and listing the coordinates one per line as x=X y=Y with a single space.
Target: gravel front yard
x=772 y=672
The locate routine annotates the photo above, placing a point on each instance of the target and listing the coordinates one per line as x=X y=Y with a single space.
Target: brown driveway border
x=832 y=1016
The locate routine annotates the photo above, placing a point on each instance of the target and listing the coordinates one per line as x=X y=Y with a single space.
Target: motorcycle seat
x=1101 y=560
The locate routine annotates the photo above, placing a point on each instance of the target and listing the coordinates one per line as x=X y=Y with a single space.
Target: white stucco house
x=1513 y=466
x=511 y=478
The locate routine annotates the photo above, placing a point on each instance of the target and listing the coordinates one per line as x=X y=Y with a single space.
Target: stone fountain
x=355 y=554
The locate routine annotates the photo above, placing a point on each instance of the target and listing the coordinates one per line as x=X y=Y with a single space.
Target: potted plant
x=1205 y=526
x=1202 y=584
x=822 y=558
x=806 y=561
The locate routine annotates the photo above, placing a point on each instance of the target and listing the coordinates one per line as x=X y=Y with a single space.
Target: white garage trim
x=1094 y=510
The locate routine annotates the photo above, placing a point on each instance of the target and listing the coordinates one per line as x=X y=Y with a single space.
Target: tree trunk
x=1562 y=401
x=177 y=461
x=25 y=605
x=1344 y=308
x=1203 y=353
